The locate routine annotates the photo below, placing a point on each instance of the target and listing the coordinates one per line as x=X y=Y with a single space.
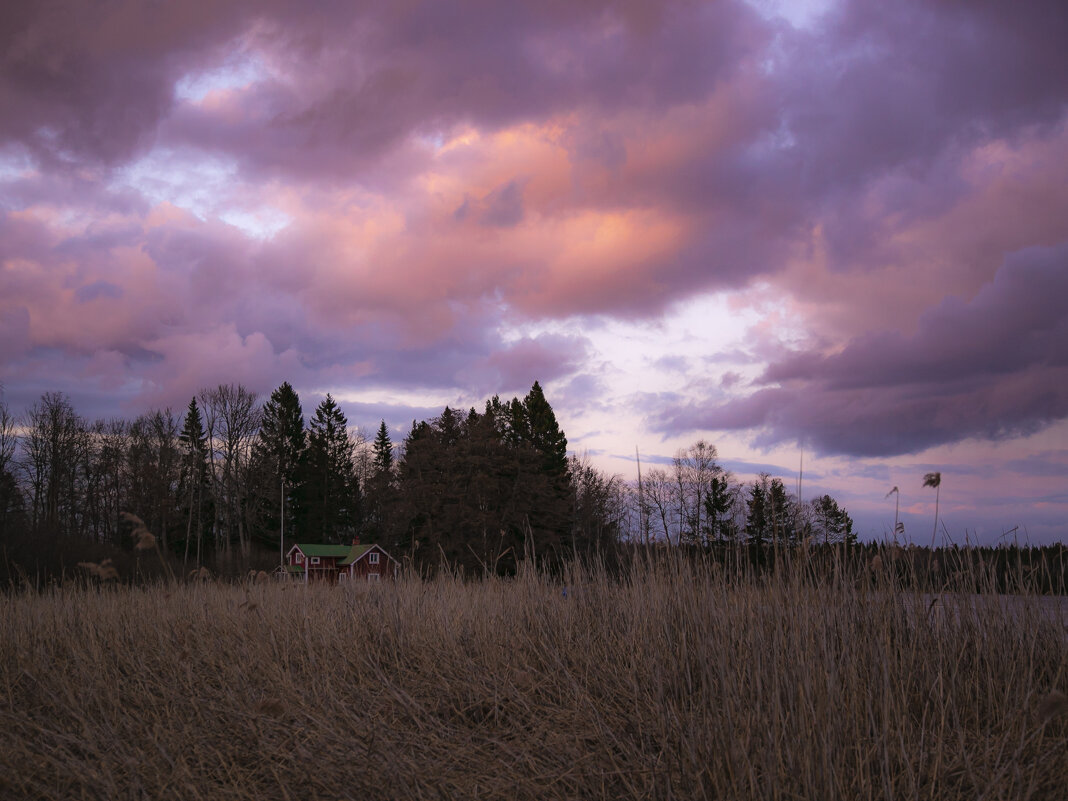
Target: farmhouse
x=320 y=562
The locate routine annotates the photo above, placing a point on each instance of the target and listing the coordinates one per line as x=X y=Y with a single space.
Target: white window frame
x=372 y=577
x=372 y=558
x=315 y=560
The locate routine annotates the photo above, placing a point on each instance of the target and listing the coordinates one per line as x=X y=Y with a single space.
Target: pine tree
x=832 y=523
x=282 y=437
x=517 y=425
x=449 y=426
x=382 y=450
x=193 y=474
x=10 y=497
x=718 y=504
x=379 y=495
x=471 y=498
x=277 y=454
x=757 y=517
x=782 y=513
x=329 y=493
x=543 y=432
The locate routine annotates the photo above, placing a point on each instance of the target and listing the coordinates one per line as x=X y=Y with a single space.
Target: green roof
x=355 y=552
x=318 y=549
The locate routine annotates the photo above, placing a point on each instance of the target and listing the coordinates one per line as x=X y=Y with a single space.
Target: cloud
x=1041 y=465
x=516 y=366
x=992 y=367
x=98 y=289
x=383 y=196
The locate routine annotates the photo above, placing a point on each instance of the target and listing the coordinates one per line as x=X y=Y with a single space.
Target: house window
x=372 y=577
x=315 y=560
x=372 y=558
x=298 y=558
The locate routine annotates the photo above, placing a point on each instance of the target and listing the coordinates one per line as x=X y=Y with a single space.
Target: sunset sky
x=836 y=227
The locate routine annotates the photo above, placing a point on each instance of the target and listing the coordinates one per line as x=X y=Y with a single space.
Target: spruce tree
x=329 y=493
x=757 y=516
x=517 y=425
x=547 y=440
x=718 y=504
x=193 y=475
x=282 y=437
x=379 y=494
x=382 y=450
x=832 y=523
x=782 y=511
x=277 y=455
x=543 y=432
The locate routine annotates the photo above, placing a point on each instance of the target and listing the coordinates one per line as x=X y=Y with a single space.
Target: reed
x=678 y=679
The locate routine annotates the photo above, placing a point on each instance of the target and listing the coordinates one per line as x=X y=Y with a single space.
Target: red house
x=367 y=563
x=319 y=562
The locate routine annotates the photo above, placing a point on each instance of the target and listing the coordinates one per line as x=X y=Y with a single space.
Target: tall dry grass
x=675 y=681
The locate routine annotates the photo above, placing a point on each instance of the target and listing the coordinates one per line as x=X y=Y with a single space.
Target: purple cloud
x=992 y=367
x=98 y=289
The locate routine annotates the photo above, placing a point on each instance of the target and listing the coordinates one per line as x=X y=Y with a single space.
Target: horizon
x=833 y=228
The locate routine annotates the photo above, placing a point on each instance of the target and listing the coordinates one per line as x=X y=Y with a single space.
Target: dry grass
x=675 y=682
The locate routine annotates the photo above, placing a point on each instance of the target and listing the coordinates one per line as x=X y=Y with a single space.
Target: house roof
x=354 y=554
x=318 y=549
x=359 y=551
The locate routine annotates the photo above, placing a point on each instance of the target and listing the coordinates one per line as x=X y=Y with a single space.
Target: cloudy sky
x=830 y=227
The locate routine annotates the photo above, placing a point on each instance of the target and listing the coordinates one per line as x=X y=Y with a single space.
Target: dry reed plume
x=672 y=682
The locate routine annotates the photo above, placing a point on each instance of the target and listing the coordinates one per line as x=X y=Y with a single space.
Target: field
x=675 y=680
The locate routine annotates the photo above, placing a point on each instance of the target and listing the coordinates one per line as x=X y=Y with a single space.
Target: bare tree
x=54 y=440
x=660 y=498
x=694 y=469
x=231 y=420
x=110 y=445
x=599 y=506
x=153 y=463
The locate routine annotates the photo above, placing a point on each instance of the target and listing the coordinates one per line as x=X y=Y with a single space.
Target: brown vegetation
x=675 y=680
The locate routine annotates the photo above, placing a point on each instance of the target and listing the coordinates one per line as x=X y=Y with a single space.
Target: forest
x=234 y=480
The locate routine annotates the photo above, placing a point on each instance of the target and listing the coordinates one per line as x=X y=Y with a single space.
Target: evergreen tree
x=757 y=519
x=832 y=523
x=474 y=494
x=379 y=495
x=11 y=508
x=718 y=502
x=543 y=432
x=382 y=449
x=772 y=514
x=449 y=426
x=329 y=495
x=193 y=477
x=782 y=514
x=277 y=455
x=499 y=415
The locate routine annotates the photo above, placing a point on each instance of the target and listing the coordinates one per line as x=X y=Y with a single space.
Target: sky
x=833 y=231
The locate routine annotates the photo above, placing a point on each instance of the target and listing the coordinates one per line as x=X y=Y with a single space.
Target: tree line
x=234 y=478
x=696 y=501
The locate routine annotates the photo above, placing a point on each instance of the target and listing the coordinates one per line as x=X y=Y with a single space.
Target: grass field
x=674 y=681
